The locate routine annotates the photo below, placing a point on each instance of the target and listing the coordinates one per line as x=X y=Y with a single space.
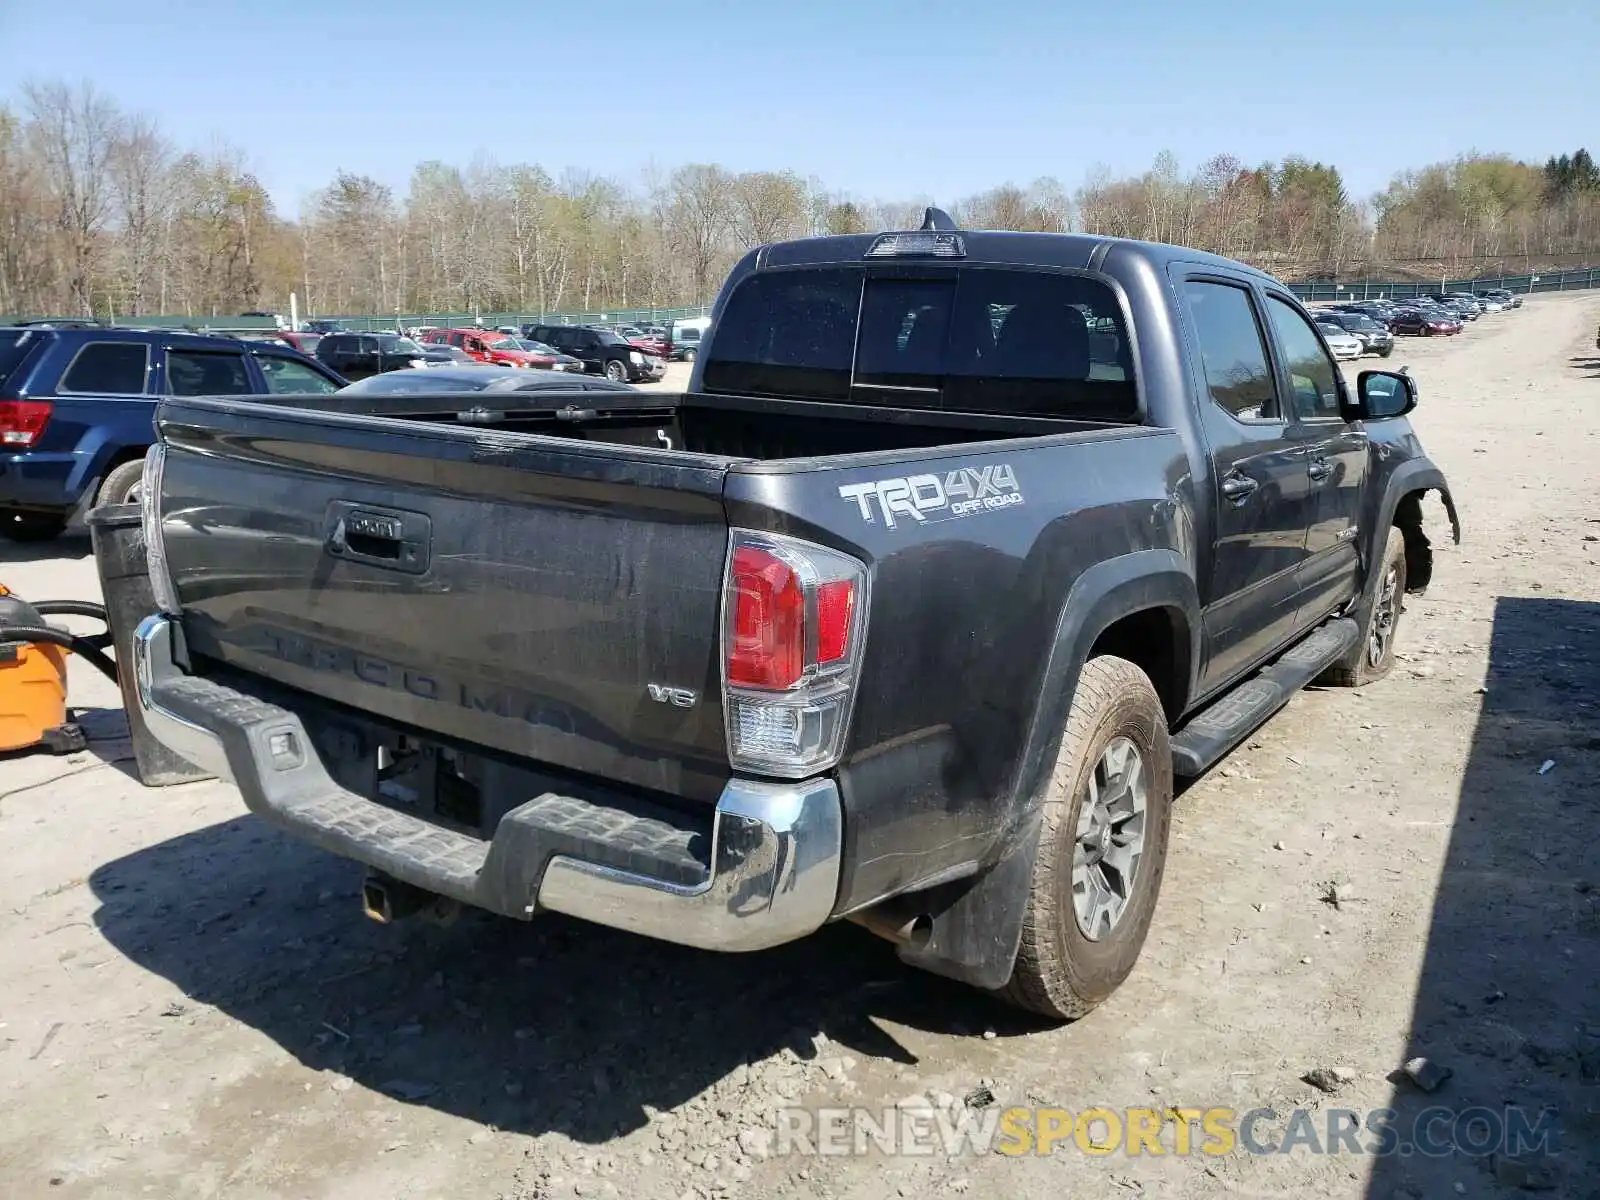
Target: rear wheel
x=1102 y=845
x=688 y=356
x=30 y=526
x=617 y=371
x=121 y=486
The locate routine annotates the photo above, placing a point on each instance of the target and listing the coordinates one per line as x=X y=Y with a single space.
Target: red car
x=490 y=346
x=653 y=346
x=1422 y=324
x=306 y=343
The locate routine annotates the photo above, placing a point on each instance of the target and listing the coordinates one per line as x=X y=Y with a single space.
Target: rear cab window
x=1000 y=341
x=108 y=369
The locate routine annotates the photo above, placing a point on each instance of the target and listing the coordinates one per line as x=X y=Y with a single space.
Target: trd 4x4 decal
x=963 y=492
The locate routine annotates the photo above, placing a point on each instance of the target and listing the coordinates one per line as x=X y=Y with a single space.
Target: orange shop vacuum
x=33 y=672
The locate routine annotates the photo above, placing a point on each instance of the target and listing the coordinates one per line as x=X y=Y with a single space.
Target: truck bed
x=750 y=427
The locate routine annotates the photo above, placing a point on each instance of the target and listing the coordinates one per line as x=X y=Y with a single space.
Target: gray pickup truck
x=958 y=549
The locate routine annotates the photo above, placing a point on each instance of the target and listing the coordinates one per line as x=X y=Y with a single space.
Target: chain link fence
x=1574 y=279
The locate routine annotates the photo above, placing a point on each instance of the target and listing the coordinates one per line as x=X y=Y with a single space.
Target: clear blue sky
x=881 y=99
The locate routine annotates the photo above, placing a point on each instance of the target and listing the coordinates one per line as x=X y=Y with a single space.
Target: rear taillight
x=22 y=422
x=155 y=542
x=793 y=627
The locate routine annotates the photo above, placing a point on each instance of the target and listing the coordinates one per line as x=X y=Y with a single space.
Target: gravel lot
x=191 y=1005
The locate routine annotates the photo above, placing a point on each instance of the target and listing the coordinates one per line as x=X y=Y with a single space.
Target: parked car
x=357 y=355
x=684 y=336
x=550 y=356
x=1505 y=298
x=1419 y=324
x=601 y=351
x=322 y=325
x=1343 y=344
x=1374 y=336
x=909 y=610
x=478 y=377
x=491 y=346
x=438 y=354
x=653 y=346
x=76 y=409
x=1462 y=309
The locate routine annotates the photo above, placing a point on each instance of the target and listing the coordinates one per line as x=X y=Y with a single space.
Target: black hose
x=82 y=647
x=70 y=608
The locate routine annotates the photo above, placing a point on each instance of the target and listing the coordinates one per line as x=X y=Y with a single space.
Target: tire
x=30 y=526
x=1061 y=970
x=688 y=356
x=617 y=371
x=121 y=484
x=1385 y=352
x=1373 y=656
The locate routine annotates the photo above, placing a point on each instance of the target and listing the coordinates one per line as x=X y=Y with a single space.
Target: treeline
x=100 y=214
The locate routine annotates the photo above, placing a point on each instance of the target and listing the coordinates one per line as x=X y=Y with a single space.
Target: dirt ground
x=192 y=1006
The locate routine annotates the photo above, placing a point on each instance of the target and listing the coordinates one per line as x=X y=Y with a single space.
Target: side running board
x=1226 y=722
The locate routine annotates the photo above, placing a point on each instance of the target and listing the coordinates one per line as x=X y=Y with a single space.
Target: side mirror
x=1382 y=395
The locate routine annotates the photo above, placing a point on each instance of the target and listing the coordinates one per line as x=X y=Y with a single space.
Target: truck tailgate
x=558 y=600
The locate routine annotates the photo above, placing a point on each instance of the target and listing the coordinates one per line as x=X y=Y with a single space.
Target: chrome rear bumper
x=771 y=871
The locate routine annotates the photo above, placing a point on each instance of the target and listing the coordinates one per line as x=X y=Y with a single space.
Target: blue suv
x=77 y=408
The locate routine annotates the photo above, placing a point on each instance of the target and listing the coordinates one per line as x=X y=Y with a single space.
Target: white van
x=685 y=335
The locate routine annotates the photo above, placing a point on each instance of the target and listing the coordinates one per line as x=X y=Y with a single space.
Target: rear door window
x=207 y=373
x=108 y=369
x=978 y=339
x=1233 y=352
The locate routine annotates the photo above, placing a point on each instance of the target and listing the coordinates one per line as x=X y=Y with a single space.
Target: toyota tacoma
x=959 y=547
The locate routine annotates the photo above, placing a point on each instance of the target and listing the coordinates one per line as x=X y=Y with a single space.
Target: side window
x=1312 y=375
x=205 y=373
x=109 y=369
x=366 y=345
x=1232 y=350
x=287 y=377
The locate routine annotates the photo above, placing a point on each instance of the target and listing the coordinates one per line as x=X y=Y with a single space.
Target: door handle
x=1318 y=469
x=1238 y=487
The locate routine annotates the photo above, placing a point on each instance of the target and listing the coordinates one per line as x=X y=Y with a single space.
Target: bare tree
x=768 y=206
x=75 y=131
x=700 y=209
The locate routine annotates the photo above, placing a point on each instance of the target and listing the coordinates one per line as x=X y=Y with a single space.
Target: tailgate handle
x=381 y=537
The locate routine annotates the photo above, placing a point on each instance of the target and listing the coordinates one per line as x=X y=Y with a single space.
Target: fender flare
x=977 y=923
x=1417 y=477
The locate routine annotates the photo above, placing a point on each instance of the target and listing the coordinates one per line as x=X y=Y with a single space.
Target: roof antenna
x=937 y=218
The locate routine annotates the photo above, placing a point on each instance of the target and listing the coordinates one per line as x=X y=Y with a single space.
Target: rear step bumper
x=770 y=873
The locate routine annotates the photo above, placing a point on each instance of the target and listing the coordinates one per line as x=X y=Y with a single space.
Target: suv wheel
x=121 y=485
x=22 y=526
x=617 y=371
x=688 y=356
x=1102 y=846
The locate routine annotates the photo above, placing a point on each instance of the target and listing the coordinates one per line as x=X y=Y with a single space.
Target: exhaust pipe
x=388 y=900
x=896 y=925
